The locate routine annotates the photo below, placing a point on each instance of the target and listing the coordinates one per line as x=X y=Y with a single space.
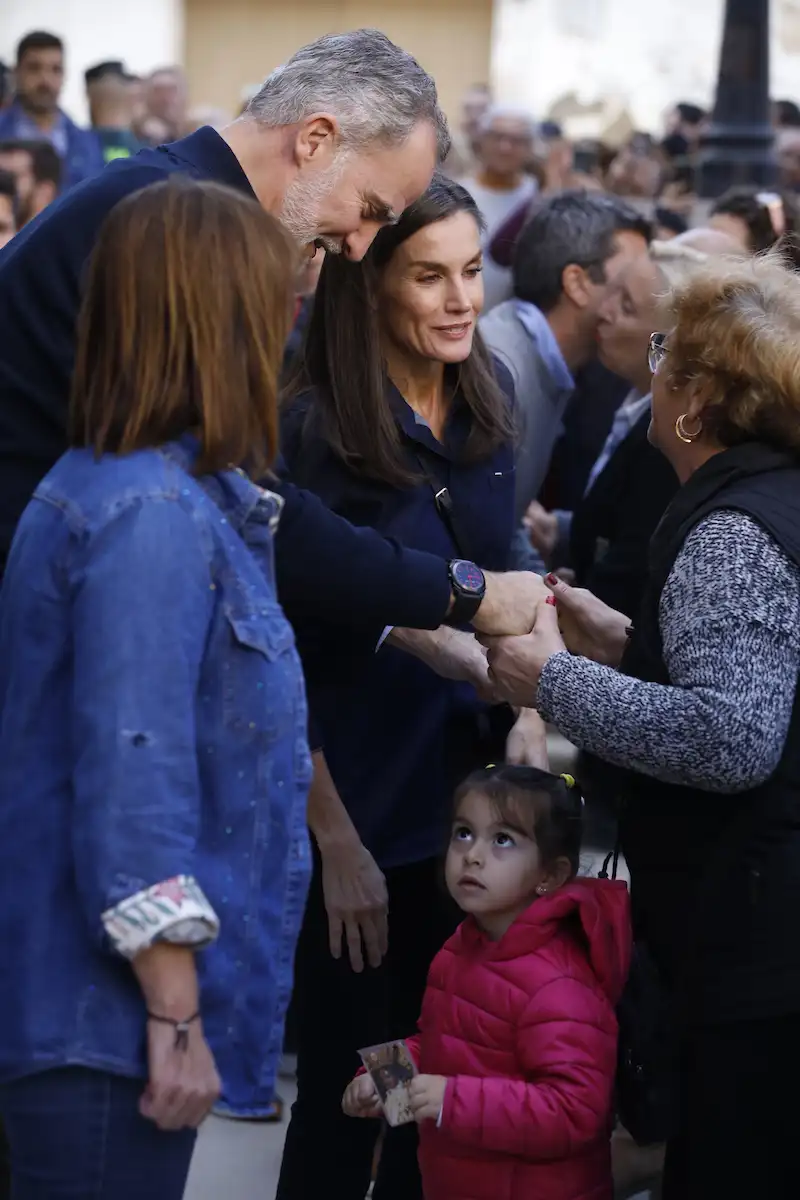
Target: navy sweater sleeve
x=326 y=568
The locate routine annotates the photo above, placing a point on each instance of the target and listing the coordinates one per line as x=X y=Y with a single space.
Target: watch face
x=468 y=577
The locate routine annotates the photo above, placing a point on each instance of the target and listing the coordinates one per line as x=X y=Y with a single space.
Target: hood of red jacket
x=603 y=908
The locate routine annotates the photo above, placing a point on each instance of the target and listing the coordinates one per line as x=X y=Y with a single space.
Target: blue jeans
x=77 y=1134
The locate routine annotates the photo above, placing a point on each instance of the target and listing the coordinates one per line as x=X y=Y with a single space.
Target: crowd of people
x=44 y=151
x=339 y=458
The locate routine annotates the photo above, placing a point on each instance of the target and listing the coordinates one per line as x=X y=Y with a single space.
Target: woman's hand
x=451 y=653
x=361 y=1098
x=182 y=1084
x=356 y=901
x=353 y=886
x=515 y=663
x=426 y=1096
x=526 y=745
x=589 y=627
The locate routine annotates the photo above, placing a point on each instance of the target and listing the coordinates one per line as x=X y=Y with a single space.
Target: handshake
x=511 y=603
x=556 y=617
x=523 y=621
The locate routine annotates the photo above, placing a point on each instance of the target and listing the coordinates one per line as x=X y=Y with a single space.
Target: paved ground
x=240 y=1160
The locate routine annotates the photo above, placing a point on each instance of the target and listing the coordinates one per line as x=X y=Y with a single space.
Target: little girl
x=517 y=1042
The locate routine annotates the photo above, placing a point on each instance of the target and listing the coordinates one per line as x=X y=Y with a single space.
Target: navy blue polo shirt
x=324 y=566
x=398 y=738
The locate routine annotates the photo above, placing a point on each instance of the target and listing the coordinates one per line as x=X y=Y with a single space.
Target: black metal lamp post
x=738 y=145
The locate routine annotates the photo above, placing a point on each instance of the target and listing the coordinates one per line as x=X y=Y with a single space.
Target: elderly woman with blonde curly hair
x=697 y=710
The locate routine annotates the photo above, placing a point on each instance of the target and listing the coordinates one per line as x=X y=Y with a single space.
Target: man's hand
x=526 y=745
x=542 y=527
x=589 y=627
x=182 y=1084
x=515 y=663
x=361 y=1098
x=426 y=1096
x=509 y=606
x=356 y=901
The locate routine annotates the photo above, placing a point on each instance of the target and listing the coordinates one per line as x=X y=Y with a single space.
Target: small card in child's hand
x=392 y=1069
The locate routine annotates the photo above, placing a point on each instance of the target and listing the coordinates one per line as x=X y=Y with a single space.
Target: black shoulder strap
x=445 y=508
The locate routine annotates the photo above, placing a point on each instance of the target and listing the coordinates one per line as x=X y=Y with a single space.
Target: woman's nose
x=457 y=299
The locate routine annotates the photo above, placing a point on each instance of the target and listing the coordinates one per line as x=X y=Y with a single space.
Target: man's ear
x=575 y=285
x=315 y=138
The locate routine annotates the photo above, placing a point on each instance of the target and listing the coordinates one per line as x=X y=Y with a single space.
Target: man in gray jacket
x=568 y=254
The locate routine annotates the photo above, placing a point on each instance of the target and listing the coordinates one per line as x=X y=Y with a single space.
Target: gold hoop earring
x=680 y=429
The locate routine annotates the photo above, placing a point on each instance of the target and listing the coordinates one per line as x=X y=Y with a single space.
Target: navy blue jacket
x=397 y=737
x=324 y=566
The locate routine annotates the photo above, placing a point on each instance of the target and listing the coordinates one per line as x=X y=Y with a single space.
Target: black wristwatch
x=468 y=584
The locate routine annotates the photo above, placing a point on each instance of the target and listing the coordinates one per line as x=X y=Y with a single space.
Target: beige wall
x=231 y=44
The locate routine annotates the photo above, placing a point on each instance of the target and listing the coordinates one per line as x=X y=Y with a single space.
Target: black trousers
x=5 y=1168
x=336 y=1012
x=739 y=1113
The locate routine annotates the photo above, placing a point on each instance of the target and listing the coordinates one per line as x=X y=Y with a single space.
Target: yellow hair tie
x=568 y=780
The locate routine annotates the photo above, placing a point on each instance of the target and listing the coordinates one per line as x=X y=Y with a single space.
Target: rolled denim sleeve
x=142 y=608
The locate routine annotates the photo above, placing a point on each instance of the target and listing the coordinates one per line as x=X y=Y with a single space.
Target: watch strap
x=465 y=604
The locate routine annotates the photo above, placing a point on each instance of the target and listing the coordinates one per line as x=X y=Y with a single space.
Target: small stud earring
x=541 y=889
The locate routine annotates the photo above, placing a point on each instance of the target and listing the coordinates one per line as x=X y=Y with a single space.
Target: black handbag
x=646 y=1080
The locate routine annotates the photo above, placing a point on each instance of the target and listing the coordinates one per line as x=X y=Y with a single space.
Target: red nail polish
x=551 y=600
x=551 y=579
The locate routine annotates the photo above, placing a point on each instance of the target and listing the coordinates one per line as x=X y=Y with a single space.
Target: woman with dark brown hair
x=400 y=420
x=153 y=754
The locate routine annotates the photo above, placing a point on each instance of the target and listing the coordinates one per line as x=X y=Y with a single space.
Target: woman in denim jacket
x=153 y=755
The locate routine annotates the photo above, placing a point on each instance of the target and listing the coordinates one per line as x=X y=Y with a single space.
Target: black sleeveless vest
x=716 y=878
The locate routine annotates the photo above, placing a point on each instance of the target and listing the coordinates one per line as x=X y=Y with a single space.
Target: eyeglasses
x=656 y=351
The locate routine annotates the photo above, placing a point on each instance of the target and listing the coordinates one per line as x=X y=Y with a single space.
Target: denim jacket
x=152 y=726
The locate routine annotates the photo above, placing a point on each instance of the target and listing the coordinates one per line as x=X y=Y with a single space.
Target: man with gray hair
x=337 y=142
x=500 y=184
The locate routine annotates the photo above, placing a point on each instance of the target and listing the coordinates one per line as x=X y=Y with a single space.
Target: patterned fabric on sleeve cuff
x=172 y=911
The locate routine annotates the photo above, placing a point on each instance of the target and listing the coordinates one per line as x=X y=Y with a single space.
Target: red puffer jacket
x=525 y=1031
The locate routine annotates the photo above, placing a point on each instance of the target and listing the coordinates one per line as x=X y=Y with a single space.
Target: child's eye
x=472 y=272
x=461 y=833
x=504 y=839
